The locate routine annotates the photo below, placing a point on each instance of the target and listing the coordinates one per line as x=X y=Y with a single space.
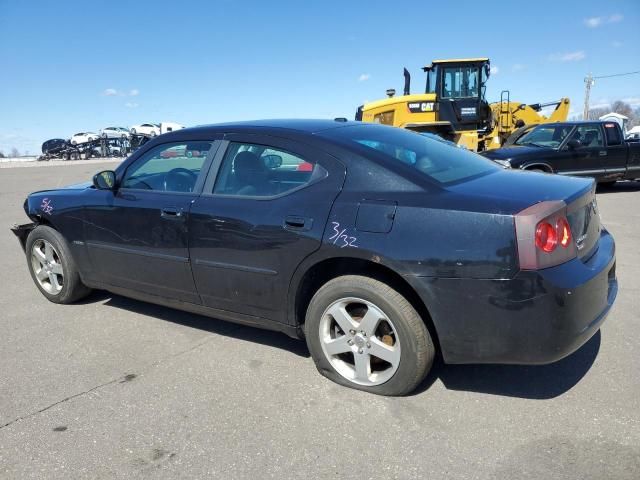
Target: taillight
x=544 y=236
x=564 y=232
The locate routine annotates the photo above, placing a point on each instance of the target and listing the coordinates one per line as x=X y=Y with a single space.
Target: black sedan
x=376 y=244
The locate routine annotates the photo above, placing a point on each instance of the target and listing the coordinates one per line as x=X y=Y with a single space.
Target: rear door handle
x=171 y=213
x=295 y=222
x=603 y=153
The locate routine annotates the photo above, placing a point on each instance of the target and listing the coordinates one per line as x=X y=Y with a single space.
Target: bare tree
x=623 y=108
x=596 y=113
x=15 y=152
x=1 y=154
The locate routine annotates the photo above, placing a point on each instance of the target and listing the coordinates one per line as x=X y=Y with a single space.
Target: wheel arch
x=317 y=274
x=538 y=165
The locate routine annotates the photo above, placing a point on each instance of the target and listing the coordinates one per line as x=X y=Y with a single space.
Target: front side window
x=262 y=171
x=589 y=136
x=437 y=160
x=460 y=82
x=545 y=136
x=171 y=167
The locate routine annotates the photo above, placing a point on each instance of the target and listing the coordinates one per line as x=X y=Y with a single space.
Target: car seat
x=250 y=175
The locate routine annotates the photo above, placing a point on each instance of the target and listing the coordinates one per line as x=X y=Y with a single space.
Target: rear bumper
x=535 y=318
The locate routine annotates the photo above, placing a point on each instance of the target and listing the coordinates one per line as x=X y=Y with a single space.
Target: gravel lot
x=113 y=387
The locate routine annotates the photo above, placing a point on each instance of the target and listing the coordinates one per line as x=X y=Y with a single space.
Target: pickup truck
x=590 y=149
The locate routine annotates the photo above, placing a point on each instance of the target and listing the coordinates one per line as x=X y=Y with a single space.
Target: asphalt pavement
x=115 y=388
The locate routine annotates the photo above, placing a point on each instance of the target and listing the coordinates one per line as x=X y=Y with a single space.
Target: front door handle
x=603 y=153
x=171 y=213
x=297 y=223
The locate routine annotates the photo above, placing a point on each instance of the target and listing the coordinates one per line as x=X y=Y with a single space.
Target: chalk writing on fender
x=46 y=206
x=340 y=238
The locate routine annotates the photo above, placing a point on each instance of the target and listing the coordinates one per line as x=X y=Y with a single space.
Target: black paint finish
x=243 y=259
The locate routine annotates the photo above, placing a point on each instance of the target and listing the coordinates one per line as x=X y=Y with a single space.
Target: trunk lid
x=584 y=219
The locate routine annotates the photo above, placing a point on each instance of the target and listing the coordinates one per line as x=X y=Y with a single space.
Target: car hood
x=511 y=191
x=517 y=151
x=75 y=186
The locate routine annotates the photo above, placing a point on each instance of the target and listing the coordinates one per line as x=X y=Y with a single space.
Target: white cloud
x=494 y=70
x=134 y=92
x=364 y=77
x=518 y=67
x=633 y=101
x=568 y=57
x=131 y=105
x=594 y=22
x=110 y=92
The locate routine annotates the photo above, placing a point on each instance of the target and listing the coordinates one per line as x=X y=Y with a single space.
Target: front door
x=589 y=158
x=262 y=211
x=137 y=236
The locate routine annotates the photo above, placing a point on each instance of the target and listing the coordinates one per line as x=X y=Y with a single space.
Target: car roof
x=572 y=123
x=299 y=125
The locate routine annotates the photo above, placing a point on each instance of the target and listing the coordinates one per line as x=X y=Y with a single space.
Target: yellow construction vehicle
x=454 y=106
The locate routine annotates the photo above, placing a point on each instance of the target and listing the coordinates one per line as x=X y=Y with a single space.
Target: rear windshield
x=440 y=161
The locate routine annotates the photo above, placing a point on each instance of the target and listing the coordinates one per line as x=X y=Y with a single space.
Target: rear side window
x=613 y=134
x=438 y=160
x=253 y=170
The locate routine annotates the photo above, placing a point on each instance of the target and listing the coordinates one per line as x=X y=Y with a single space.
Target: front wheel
x=52 y=267
x=365 y=335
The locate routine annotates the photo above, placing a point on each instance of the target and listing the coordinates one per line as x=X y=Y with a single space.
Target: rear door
x=262 y=211
x=617 y=151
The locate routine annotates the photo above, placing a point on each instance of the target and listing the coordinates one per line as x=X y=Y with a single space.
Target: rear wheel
x=363 y=334
x=51 y=266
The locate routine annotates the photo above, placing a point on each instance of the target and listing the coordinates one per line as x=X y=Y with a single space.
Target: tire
x=537 y=170
x=607 y=184
x=153 y=133
x=52 y=248
x=395 y=330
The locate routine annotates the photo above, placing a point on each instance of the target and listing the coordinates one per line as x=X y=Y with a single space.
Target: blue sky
x=71 y=66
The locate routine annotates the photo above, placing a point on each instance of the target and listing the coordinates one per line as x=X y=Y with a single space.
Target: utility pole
x=588 y=81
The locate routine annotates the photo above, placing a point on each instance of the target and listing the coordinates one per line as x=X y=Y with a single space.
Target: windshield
x=460 y=82
x=436 y=159
x=545 y=136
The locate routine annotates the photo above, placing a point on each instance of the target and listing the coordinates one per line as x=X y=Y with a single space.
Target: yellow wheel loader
x=454 y=106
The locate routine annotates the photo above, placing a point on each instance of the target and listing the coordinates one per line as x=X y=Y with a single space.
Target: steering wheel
x=179 y=180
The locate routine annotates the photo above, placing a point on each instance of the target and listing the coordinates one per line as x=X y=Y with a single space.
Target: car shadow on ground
x=524 y=381
x=192 y=320
x=619 y=187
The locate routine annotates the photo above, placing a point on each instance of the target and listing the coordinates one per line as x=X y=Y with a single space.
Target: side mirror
x=272 y=161
x=574 y=144
x=105 y=180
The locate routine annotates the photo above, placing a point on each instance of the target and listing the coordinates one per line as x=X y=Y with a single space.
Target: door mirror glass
x=105 y=180
x=574 y=144
x=272 y=161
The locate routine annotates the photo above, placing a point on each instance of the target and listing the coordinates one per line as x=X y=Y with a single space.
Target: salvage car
x=83 y=137
x=590 y=149
x=114 y=132
x=386 y=248
x=151 y=129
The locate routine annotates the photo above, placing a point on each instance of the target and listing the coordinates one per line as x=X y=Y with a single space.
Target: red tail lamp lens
x=546 y=237
x=563 y=231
